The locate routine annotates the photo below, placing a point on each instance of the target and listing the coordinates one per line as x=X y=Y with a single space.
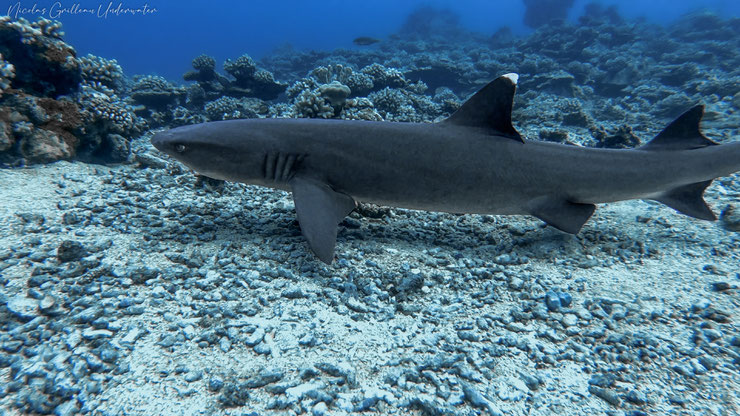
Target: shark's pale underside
x=472 y=162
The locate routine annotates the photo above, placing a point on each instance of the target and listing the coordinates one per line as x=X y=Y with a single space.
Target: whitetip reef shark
x=473 y=162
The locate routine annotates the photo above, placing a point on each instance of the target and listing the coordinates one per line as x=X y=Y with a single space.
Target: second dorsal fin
x=490 y=108
x=684 y=133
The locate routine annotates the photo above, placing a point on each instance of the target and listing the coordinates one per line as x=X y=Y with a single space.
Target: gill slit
x=280 y=167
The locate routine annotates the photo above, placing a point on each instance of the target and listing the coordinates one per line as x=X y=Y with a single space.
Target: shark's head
x=220 y=150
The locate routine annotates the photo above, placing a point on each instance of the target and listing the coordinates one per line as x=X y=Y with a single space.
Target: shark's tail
x=682 y=134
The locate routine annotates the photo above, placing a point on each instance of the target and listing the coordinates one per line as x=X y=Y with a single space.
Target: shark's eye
x=179 y=148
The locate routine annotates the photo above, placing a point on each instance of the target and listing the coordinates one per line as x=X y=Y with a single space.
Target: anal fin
x=320 y=209
x=689 y=200
x=562 y=214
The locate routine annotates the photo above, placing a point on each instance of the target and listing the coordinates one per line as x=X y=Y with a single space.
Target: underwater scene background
x=130 y=285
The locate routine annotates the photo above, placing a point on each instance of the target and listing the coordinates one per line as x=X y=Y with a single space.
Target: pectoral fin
x=562 y=214
x=320 y=209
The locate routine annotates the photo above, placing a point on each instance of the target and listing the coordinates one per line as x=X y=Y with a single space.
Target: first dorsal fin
x=684 y=133
x=490 y=108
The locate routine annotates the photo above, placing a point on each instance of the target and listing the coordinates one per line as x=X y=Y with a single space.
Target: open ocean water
x=132 y=285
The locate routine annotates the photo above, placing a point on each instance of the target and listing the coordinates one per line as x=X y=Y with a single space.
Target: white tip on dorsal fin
x=513 y=77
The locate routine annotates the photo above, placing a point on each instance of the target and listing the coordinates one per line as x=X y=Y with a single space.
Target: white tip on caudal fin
x=514 y=78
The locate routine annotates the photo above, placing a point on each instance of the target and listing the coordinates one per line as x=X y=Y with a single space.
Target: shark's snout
x=160 y=140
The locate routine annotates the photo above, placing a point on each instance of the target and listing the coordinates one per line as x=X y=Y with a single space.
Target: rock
x=683 y=369
x=192 y=376
x=22 y=307
x=265 y=377
x=730 y=217
x=565 y=299
x=93 y=334
x=215 y=383
x=700 y=305
x=557 y=136
x=343 y=370
x=552 y=300
x=70 y=250
x=255 y=338
x=113 y=148
x=473 y=396
x=68 y=408
x=48 y=305
x=293 y=292
x=532 y=382
x=132 y=336
x=411 y=283
x=602 y=380
x=636 y=397
x=319 y=409
x=140 y=275
x=263 y=348
x=43 y=146
x=307 y=340
x=147 y=160
x=721 y=286
x=234 y=395
x=167 y=341
x=569 y=320
x=608 y=396
x=708 y=361
x=301 y=390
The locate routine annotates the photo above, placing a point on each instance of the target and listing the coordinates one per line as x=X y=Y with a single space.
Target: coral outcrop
x=247 y=80
x=54 y=105
x=7 y=73
x=98 y=70
x=156 y=93
x=44 y=64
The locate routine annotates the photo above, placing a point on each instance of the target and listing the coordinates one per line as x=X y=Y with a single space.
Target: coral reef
x=7 y=73
x=181 y=116
x=601 y=70
x=108 y=124
x=243 y=68
x=44 y=64
x=59 y=106
x=383 y=77
x=37 y=130
x=621 y=138
x=97 y=70
x=311 y=104
x=401 y=105
x=228 y=108
x=360 y=109
x=248 y=80
x=359 y=83
x=323 y=101
x=105 y=107
x=324 y=93
x=335 y=92
x=156 y=93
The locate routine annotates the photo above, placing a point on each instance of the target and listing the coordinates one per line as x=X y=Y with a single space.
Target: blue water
x=166 y=40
